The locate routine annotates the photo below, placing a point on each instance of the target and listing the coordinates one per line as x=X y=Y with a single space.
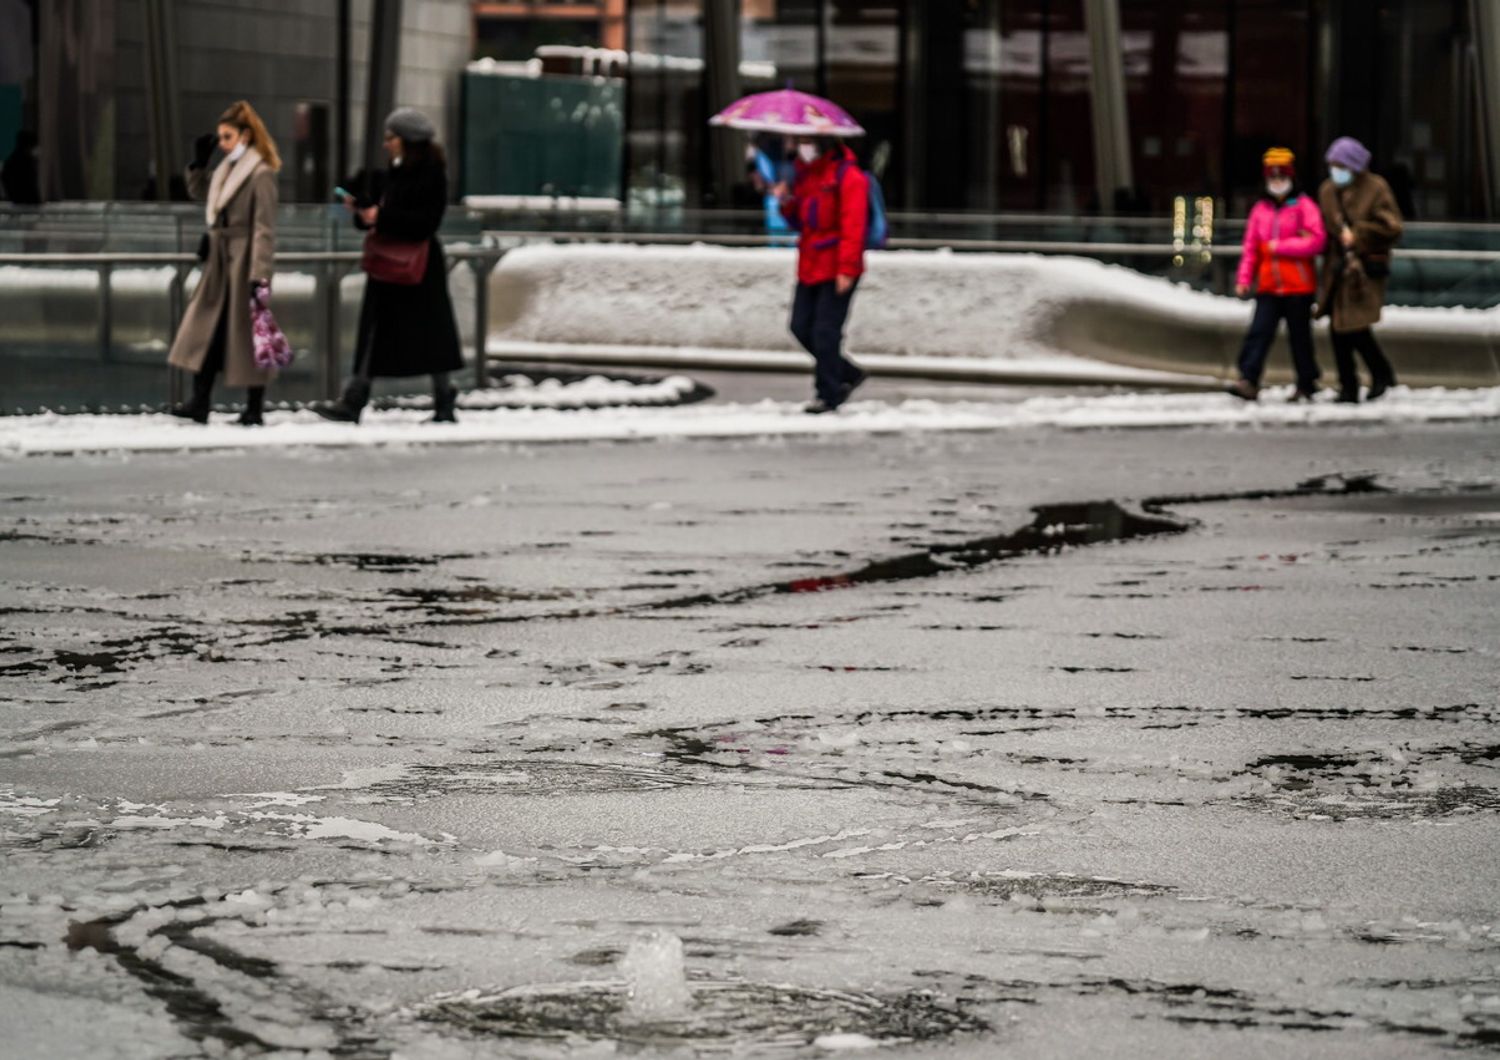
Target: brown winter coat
x=1347 y=293
x=241 y=215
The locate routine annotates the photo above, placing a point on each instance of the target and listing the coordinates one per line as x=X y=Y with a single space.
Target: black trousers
x=213 y=364
x=1270 y=310
x=818 y=316
x=1345 y=344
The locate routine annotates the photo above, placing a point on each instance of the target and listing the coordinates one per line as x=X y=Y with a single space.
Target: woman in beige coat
x=240 y=209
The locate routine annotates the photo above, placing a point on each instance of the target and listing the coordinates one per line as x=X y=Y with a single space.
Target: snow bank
x=1000 y=307
x=53 y=434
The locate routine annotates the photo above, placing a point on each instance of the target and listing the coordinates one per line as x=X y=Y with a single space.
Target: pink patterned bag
x=271 y=348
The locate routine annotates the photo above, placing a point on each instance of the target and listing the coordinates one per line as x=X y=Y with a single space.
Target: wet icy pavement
x=332 y=750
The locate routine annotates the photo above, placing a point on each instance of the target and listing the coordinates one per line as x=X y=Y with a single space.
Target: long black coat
x=410 y=330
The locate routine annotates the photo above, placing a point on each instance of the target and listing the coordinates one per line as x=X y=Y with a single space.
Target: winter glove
x=203 y=149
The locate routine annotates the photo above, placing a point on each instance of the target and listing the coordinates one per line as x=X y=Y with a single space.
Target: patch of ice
x=26 y=805
x=276 y=798
x=307 y=826
x=215 y=824
x=845 y=1042
x=366 y=776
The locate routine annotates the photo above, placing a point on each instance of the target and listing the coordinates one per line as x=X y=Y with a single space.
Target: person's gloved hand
x=203 y=149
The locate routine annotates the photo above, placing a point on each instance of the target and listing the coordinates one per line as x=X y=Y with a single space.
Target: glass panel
x=863 y=56
x=1067 y=132
x=1426 y=155
x=1272 y=42
x=784 y=35
x=1176 y=65
x=667 y=138
x=1020 y=138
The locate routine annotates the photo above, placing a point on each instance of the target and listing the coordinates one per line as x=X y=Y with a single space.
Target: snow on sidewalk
x=55 y=434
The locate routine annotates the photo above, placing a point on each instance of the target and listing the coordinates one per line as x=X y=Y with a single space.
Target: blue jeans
x=818 y=316
x=1269 y=311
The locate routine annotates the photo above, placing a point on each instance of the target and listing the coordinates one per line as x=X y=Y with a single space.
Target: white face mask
x=239 y=149
x=809 y=153
x=1341 y=176
x=1279 y=188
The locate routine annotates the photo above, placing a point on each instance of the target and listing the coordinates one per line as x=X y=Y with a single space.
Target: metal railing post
x=482 y=267
x=176 y=307
x=328 y=321
x=106 y=311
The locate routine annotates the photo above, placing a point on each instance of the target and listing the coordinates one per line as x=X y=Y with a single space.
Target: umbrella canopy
x=789 y=112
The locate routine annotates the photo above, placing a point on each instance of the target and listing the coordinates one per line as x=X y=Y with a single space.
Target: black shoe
x=1299 y=396
x=255 y=406
x=1378 y=387
x=1244 y=390
x=338 y=412
x=190 y=411
x=347 y=408
x=1348 y=397
x=818 y=408
x=443 y=404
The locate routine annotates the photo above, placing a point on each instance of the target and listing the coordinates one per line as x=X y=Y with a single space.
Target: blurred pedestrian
x=406 y=323
x=238 y=253
x=828 y=204
x=1283 y=236
x=1363 y=223
x=769 y=164
x=21 y=175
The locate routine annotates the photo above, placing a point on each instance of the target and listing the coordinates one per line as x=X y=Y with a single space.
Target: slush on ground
x=1014 y=740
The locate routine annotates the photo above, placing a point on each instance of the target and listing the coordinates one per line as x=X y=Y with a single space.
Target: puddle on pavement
x=722 y=1017
x=519 y=777
x=1389 y=785
x=1053 y=528
x=377 y=562
x=1051 y=890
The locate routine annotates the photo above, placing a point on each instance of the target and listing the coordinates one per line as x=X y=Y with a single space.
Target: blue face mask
x=1341 y=176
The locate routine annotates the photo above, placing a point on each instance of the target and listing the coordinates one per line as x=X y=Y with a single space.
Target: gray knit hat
x=411 y=125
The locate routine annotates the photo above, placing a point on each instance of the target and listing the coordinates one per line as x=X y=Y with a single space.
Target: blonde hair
x=243 y=117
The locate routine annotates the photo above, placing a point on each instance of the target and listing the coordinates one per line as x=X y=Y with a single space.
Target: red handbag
x=394 y=260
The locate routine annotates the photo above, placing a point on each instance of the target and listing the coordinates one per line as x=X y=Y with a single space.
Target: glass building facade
x=990 y=105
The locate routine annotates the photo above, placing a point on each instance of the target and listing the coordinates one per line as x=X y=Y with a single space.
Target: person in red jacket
x=829 y=206
x=1282 y=237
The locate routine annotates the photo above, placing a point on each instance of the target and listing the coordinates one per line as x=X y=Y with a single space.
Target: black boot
x=444 y=401
x=1378 y=386
x=197 y=407
x=347 y=408
x=255 y=407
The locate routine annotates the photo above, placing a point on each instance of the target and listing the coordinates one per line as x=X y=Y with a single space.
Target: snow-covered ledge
x=1016 y=317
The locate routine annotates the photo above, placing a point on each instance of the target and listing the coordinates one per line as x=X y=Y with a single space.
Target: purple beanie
x=1348 y=152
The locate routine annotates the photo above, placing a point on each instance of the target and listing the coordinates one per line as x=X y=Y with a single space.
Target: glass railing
x=63 y=344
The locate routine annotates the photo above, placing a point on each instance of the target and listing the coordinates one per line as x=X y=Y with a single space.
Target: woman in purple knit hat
x=1363 y=223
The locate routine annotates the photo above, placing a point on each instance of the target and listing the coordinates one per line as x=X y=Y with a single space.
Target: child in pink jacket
x=1282 y=238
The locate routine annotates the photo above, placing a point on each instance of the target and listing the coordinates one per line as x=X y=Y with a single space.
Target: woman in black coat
x=406 y=329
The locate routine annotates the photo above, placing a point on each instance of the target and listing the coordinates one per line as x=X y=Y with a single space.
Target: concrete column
x=162 y=109
x=385 y=64
x=1486 y=20
x=938 y=145
x=1111 y=119
x=721 y=72
x=341 y=93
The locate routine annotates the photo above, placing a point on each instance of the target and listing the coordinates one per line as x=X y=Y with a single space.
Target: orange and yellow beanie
x=1279 y=162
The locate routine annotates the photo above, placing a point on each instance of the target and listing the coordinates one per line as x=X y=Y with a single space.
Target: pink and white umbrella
x=790 y=113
